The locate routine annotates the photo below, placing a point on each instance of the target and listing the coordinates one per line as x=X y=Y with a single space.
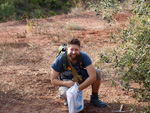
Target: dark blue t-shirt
x=67 y=74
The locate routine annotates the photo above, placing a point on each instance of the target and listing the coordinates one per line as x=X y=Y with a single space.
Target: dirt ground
x=27 y=50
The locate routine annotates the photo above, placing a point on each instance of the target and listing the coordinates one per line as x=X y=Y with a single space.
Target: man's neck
x=74 y=61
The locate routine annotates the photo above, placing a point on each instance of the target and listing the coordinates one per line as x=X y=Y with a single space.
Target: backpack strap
x=80 y=60
x=74 y=72
x=64 y=61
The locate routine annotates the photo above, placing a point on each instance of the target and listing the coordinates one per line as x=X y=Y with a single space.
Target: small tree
x=131 y=57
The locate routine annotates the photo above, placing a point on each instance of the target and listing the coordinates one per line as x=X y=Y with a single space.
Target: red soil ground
x=27 y=51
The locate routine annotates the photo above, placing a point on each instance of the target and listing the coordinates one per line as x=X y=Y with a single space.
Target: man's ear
x=66 y=48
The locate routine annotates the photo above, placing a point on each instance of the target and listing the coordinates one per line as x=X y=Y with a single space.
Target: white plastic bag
x=75 y=99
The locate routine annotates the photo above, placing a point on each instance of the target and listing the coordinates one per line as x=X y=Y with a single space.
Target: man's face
x=73 y=51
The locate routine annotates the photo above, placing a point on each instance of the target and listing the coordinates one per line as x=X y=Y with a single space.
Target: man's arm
x=56 y=81
x=91 y=79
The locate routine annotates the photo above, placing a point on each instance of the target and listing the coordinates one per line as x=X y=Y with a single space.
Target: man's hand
x=69 y=83
x=56 y=81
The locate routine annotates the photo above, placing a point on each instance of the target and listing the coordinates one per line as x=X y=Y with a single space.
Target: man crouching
x=62 y=75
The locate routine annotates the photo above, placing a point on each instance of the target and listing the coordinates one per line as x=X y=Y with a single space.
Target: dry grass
x=77 y=11
x=2 y=54
x=74 y=26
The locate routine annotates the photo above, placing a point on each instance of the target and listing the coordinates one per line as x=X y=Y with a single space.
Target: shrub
x=38 y=13
x=130 y=59
x=33 y=8
x=51 y=13
x=7 y=10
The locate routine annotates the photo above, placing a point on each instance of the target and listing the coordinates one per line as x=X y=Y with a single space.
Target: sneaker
x=65 y=103
x=96 y=102
x=58 y=96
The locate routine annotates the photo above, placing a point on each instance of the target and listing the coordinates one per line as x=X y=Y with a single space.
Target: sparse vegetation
x=19 y=9
x=130 y=58
x=7 y=10
x=74 y=26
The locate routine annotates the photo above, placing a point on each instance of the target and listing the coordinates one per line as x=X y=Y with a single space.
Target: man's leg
x=96 y=84
x=62 y=93
x=95 y=88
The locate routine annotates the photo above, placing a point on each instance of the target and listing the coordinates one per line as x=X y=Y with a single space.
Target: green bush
x=21 y=9
x=7 y=10
x=131 y=58
x=51 y=13
x=38 y=13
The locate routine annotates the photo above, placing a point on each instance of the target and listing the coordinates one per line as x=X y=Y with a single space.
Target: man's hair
x=74 y=41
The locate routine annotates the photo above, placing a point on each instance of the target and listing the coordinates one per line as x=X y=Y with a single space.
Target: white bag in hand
x=75 y=99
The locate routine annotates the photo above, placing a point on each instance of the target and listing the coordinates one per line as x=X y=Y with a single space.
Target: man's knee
x=98 y=74
x=62 y=92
